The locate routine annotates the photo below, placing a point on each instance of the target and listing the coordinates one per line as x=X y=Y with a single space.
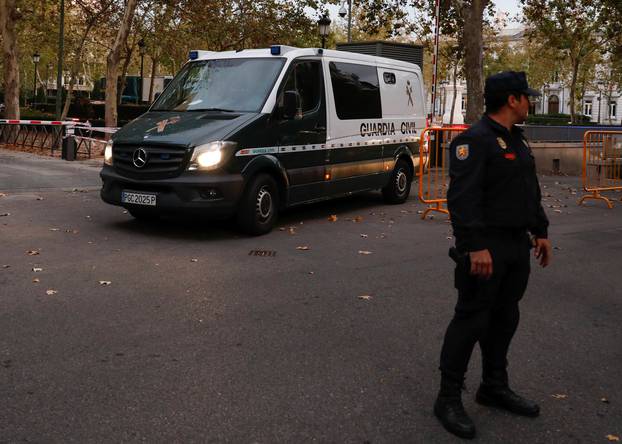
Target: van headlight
x=108 y=153
x=210 y=155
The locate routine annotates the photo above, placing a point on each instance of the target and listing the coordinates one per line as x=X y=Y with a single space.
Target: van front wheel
x=398 y=188
x=259 y=206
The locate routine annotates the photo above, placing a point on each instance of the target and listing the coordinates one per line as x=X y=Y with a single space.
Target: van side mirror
x=292 y=105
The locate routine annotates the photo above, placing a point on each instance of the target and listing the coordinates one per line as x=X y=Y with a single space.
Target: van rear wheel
x=258 y=208
x=398 y=188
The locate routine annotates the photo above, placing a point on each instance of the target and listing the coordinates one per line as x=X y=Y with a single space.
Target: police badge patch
x=462 y=152
x=501 y=143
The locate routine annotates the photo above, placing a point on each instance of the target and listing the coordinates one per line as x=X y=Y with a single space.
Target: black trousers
x=487 y=310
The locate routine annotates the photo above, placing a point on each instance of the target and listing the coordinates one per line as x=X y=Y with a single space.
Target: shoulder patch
x=501 y=143
x=462 y=152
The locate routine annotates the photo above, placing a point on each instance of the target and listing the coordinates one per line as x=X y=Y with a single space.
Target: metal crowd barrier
x=602 y=164
x=73 y=139
x=434 y=180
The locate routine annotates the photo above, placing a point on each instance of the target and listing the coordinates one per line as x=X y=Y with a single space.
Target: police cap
x=507 y=81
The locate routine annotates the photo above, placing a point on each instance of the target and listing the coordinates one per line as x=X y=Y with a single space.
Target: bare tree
x=576 y=28
x=463 y=20
x=112 y=62
x=473 y=16
x=92 y=17
x=8 y=17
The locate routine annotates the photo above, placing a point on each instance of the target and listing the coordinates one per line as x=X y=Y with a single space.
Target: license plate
x=138 y=198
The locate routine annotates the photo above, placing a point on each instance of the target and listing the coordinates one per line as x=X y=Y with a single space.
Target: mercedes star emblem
x=139 y=158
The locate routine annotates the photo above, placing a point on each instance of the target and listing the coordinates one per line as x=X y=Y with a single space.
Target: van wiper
x=221 y=110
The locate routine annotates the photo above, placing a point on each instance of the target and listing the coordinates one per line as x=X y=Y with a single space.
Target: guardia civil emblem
x=462 y=152
x=502 y=143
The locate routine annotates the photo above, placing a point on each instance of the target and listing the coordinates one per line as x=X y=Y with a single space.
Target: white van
x=247 y=133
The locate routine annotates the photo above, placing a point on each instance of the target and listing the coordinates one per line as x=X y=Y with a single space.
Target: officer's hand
x=481 y=263
x=543 y=251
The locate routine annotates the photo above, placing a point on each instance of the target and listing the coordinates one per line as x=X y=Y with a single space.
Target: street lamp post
x=35 y=58
x=342 y=13
x=141 y=49
x=324 y=25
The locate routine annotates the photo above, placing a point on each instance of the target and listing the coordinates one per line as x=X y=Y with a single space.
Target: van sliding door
x=357 y=129
x=301 y=139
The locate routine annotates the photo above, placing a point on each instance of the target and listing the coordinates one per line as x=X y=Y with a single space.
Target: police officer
x=494 y=200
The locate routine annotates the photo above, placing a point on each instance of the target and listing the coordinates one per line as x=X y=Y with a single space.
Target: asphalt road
x=195 y=340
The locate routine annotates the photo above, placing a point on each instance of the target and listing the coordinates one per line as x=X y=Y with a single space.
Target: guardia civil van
x=247 y=133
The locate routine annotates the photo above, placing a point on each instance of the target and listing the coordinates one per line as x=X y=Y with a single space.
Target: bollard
x=69 y=144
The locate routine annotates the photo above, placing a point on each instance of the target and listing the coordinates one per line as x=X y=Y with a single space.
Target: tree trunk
x=455 y=97
x=573 y=89
x=8 y=18
x=112 y=63
x=154 y=71
x=123 y=80
x=75 y=68
x=473 y=60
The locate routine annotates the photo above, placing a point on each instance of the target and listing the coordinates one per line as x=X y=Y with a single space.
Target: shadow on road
x=204 y=229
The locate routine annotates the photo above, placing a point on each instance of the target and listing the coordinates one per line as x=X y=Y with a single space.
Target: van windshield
x=221 y=85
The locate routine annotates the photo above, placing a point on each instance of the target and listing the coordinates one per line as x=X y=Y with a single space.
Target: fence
x=72 y=139
x=433 y=180
x=569 y=133
x=602 y=164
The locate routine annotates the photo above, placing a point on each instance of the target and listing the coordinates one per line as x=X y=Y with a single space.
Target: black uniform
x=494 y=201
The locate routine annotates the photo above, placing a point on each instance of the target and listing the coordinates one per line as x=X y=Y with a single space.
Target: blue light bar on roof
x=275 y=50
x=193 y=55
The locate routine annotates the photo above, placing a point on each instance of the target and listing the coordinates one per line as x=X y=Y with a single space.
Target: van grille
x=163 y=161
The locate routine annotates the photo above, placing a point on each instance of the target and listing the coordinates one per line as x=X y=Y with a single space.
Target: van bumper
x=207 y=194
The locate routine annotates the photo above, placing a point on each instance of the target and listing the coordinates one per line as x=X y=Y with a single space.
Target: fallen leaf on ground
x=613 y=438
x=560 y=396
x=37 y=269
x=365 y=297
x=2 y=194
x=88 y=217
x=50 y=292
x=358 y=219
x=39 y=198
x=54 y=229
x=6 y=266
x=105 y=283
x=36 y=280
x=605 y=400
x=281 y=228
x=292 y=230
x=5 y=214
x=364 y=252
x=302 y=247
x=32 y=252
x=194 y=260
x=364 y=236
x=312 y=272
x=332 y=218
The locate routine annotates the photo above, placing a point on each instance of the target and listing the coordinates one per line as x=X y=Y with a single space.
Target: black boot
x=495 y=392
x=449 y=410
